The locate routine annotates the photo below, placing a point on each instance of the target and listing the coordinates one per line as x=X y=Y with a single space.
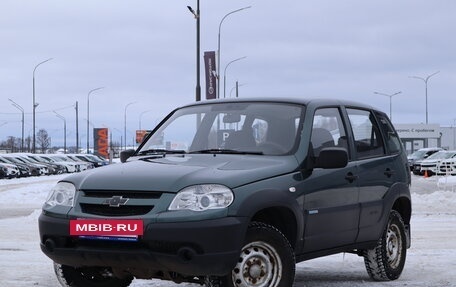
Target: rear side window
x=393 y=143
x=368 y=140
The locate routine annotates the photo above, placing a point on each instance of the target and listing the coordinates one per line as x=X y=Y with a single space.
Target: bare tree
x=13 y=143
x=43 y=140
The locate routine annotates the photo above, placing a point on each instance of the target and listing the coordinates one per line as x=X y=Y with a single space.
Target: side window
x=368 y=141
x=393 y=142
x=328 y=130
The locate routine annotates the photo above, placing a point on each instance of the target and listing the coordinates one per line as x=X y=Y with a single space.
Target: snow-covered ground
x=431 y=262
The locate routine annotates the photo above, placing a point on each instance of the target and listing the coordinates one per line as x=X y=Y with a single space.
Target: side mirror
x=332 y=158
x=124 y=155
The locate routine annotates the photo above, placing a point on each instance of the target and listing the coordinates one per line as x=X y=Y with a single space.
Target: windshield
x=418 y=154
x=247 y=127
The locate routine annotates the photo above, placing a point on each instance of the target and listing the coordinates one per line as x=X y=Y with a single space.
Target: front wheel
x=89 y=277
x=266 y=260
x=386 y=261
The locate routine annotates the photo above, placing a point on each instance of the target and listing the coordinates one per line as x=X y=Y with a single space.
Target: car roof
x=301 y=101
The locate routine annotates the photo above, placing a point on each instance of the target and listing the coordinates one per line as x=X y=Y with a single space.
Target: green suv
x=235 y=193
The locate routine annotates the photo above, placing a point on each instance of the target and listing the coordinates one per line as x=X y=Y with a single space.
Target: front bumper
x=199 y=248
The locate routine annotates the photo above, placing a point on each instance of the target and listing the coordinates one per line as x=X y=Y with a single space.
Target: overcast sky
x=144 y=51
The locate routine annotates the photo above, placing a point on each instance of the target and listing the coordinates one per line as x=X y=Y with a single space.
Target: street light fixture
x=88 y=115
x=224 y=73
x=391 y=105
x=16 y=105
x=197 y=16
x=125 y=123
x=425 y=80
x=64 y=130
x=218 y=47
x=35 y=105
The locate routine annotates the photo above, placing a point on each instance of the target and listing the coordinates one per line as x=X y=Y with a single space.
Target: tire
x=89 y=277
x=386 y=261
x=266 y=260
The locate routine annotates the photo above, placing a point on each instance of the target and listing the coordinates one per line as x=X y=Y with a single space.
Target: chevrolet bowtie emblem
x=115 y=201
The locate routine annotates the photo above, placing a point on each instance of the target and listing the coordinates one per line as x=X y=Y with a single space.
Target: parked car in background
x=44 y=169
x=421 y=154
x=54 y=168
x=430 y=165
x=2 y=171
x=90 y=158
x=70 y=165
x=34 y=169
x=8 y=170
x=24 y=170
x=447 y=167
x=85 y=165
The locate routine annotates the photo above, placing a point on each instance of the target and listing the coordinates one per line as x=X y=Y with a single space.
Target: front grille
x=110 y=193
x=104 y=202
x=122 y=210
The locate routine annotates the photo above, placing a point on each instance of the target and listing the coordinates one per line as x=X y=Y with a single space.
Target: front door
x=331 y=209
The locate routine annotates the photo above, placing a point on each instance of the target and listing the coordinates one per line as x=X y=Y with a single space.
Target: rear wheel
x=266 y=260
x=386 y=261
x=89 y=277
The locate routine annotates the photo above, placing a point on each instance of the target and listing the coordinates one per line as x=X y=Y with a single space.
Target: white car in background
x=431 y=164
x=447 y=167
x=90 y=158
x=83 y=164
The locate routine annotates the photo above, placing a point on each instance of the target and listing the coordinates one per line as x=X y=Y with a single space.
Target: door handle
x=388 y=172
x=351 y=177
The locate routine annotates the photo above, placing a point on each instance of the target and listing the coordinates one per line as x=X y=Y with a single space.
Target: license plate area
x=107 y=229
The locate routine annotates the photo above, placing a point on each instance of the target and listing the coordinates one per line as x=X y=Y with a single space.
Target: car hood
x=172 y=173
x=7 y=165
x=431 y=161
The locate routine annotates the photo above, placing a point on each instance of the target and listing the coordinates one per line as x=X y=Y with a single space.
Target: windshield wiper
x=161 y=151
x=226 y=151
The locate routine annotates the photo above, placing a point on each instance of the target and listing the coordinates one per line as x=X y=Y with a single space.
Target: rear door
x=377 y=166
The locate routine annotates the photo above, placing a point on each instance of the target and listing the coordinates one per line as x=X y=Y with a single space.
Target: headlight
x=62 y=194
x=202 y=197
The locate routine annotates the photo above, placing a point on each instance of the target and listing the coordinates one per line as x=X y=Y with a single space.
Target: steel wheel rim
x=259 y=265
x=394 y=246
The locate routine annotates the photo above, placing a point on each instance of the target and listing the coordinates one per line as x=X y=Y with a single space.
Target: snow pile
x=437 y=202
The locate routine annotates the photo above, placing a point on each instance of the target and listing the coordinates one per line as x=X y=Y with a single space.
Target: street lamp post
x=125 y=124
x=35 y=105
x=237 y=88
x=197 y=15
x=224 y=73
x=218 y=47
x=16 y=105
x=64 y=130
x=425 y=80
x=76 y=107
x=391 y=104
x=88 y=114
